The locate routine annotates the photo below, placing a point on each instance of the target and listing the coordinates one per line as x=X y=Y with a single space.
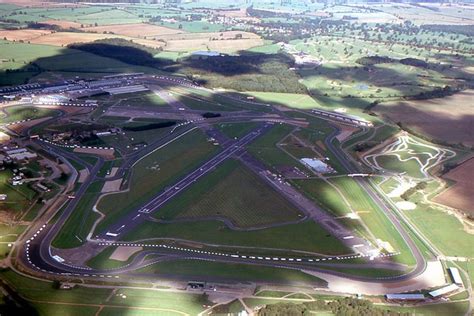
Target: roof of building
x=444 y=290
x=455 y=275
x=405 y=296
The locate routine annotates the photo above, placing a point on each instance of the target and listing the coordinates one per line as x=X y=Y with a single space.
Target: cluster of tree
x=374 y=60
x=89 y=139
x=251 y=11
x=245 y=72
x=415 y=62
x=43 y=26
x=408 y=193
x=123 y=50
x=210 y=115
x=14 y=304
x=339 y=307
x=433 y=94
x=459 y=145
x=458 y=29
x=141 y=128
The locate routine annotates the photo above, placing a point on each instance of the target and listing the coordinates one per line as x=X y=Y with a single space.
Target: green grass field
x=74 y=231
x=231 y=271
x=43 y=291
x=377 y=222
x=454 y=309
x=19 y=198
x=64 y=309
x=61 y=61
x=18 y=113
x=103 y=261
x=85 y=300
x=163 y=302
x=265 y=149
x=222 y=194
x=140 y=99
x=238 y=130
x=291 y=100
x=306 y=236
x=443 y=230
x=325 y=195
x=156 y=171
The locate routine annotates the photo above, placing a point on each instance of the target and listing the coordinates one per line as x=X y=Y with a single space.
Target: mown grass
x=306 y=236
x=231 y=271
x=103 y=261
x=74 y=231
x=443 y=230
x=325 y=195
x=18 y=113
x=291 y=100
x=156 y=171
x=32 y=289
x=188 y=303
x=265 y=149
x=19 y=198
x=222 y=194
x=238 y=130
x=373 y=217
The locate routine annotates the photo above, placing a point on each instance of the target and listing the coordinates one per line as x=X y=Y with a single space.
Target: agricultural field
x=433 y=118
x=460 y=194
x=23 y=61
x=222 y=195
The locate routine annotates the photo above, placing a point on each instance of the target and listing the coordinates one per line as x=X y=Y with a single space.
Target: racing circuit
x=37 y=255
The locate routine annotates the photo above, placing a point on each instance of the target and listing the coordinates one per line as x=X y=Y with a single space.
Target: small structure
x=196 y=285
x=444 y=290
x=316 y=164
x=20 y=154
x=4 y=138
x=42 y=187
x=206 y=53
x=405 y=297
x=456 y=276
x=3 y=197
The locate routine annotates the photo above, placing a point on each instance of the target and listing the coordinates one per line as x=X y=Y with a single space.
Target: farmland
x=460 y=195
x=433 y=118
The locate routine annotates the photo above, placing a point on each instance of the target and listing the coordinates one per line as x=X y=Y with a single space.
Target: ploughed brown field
x=449 y=119
x=134 y=30
x=152 y=36
x=460 y=195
